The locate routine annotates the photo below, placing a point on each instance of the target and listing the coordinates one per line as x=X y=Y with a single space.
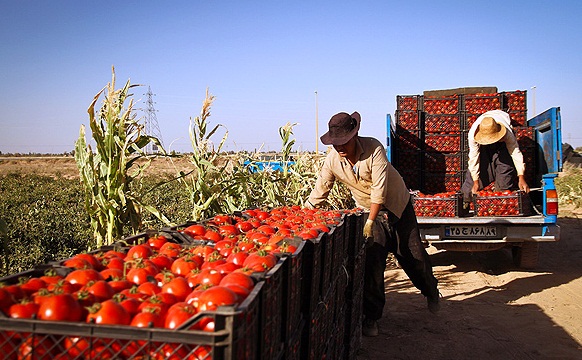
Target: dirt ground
x=490 y=309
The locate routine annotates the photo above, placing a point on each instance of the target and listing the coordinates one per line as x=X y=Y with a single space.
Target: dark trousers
x=495 y=165
x=408 y=249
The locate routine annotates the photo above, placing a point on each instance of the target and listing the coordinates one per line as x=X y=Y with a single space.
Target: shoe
x=433 y=303
x=370 y=328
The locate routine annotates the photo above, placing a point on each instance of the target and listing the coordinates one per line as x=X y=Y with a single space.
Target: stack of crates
x=442 y=162
x=409 y=120
x=431 y=135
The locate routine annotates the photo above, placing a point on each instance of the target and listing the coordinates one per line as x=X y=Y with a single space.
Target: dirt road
x=490 y=309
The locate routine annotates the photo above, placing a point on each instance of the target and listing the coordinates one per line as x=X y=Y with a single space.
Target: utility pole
x=316 y=125
x=151 y=123
x=534 y=100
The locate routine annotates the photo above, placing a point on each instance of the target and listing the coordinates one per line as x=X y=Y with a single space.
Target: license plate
x=471 y=231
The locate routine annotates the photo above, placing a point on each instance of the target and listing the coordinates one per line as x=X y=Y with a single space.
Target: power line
x=151 y=123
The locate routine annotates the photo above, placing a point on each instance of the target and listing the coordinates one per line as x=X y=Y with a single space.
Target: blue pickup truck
x=485 y=233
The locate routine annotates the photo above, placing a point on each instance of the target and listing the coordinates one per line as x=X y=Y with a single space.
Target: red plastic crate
x=442 y=123
x=518 y=118
x=409 y=120
x=517 y=203
x=442 y=162
x=442 y=105
x=439 y=205
x=515 y=100
x=409 y=102
x=442 y=142
x=435 y=183
x=480 y=103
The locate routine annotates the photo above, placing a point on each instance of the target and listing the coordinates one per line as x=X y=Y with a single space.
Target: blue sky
x=264 y=60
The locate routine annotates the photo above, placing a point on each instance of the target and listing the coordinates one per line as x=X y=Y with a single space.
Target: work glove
x=369 y=232
x=307 y=204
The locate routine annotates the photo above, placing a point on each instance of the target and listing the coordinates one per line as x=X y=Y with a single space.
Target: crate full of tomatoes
x=446 y=204
x=502 y=203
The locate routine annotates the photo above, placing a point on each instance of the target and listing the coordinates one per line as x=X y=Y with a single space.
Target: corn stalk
x=107 y=174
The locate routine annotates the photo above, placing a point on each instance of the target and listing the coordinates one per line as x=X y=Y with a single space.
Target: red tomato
x=170 y=249
x=178 y=286
x=114 y=263
x=77 y=263
x=195 y=230
x=141 y=251
x=100 y=289
x=60 y=307
x=178 y=314
x=260 y=261
x=138 y=276
x=155 y=304
x=147 y=319
x=33 y=285
x=206 y=277
x=156 y=242
x=213 y=236
x=108 y=312
x=112 y=274
x=216 y=296
x=23 y=310
x=81 y=277
x=237 y=258
x=241 y=279
x=228 y=230
x=226 y=267
x=149 y=288
x=184 y=265
x=91 y=259
x=38 y=347
x=222 y=219
x=244 y=226
x=121 y=284
x=130 y=304
x=6 y=300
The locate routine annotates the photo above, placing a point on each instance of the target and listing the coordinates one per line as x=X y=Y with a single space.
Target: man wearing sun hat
x=494 y=156
x=361 y=164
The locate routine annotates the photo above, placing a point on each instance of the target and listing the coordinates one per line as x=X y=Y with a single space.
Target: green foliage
x=45 y=220
x=107 y=175
x=569 y=187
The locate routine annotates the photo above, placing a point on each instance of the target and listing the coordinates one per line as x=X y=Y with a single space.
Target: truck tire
x=526 y=256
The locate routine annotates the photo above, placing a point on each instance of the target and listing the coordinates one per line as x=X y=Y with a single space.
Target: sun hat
x=342 y=127
x=489 y=131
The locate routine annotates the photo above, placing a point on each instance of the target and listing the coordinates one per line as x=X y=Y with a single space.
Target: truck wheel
x=526 y=256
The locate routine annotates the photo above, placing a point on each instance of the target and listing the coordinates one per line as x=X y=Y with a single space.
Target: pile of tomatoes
x=409 y=103
x=515 y=100
x=443 y=204
x=160 y=283
x=409 y=120
x=498 y=203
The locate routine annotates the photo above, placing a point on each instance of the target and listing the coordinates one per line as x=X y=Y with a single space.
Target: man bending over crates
x=391 y=226
x=494 y=156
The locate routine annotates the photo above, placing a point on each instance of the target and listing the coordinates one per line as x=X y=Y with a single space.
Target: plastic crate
x=408 y=159
x=270 y=340
x=480 y=103
x=408 y=140
x=412 y=178
x=434 y=183
x=442 y=105
x=515 y=100
x=235 y=337
x=441 y=205
x=292 y=294
x=442 y=162
x=517 y=203
x=442 y=142
x=440 y=123
x=294 y=344
x=311 y=276
x=409 y=102
x=409 y=120
x=518 y=118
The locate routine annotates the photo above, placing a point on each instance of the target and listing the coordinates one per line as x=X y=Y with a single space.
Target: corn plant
x=108 y=173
